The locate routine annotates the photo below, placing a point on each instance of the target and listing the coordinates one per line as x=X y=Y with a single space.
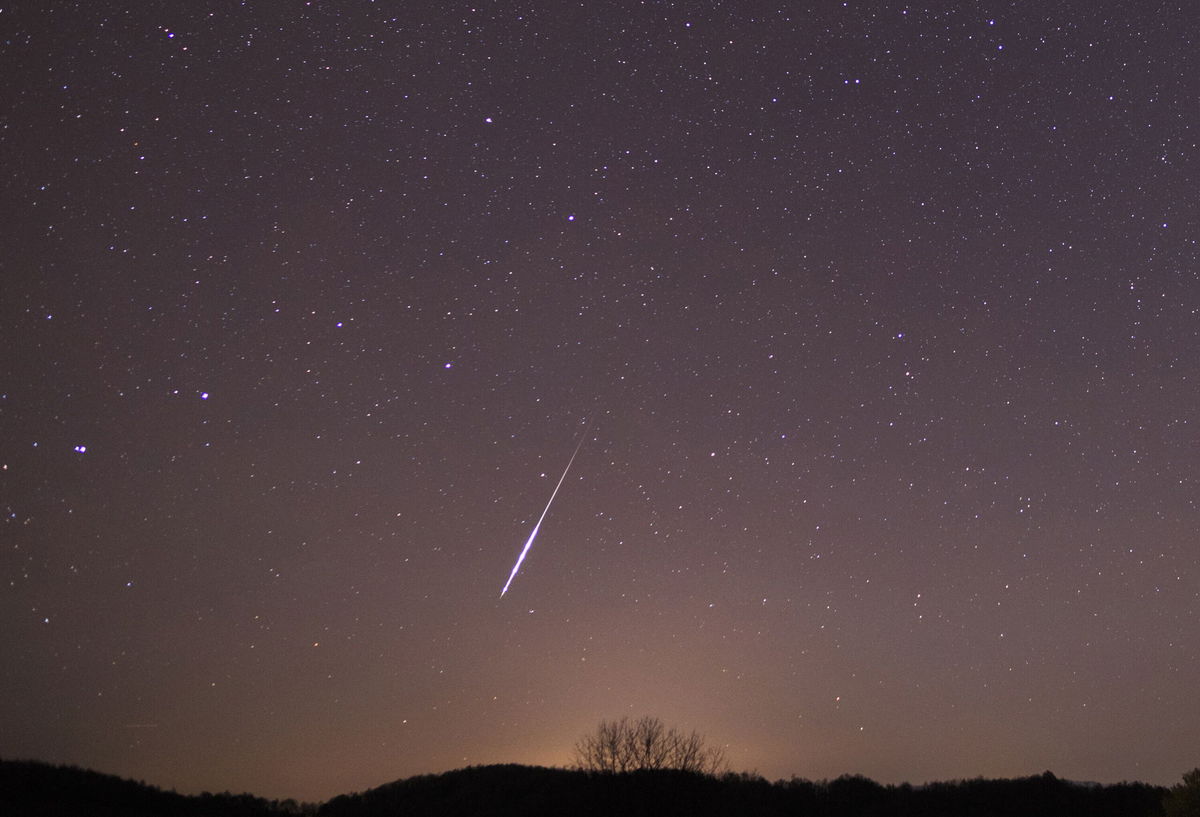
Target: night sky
x=877 y=325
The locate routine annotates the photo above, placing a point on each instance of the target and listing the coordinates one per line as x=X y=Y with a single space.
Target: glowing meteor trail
x=532 y=535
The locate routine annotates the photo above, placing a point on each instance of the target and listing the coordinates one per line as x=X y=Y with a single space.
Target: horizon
x=214 y=785
x=715 y=775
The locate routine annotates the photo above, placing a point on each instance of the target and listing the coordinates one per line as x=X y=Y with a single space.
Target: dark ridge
x=499 y=791
x=32 y=789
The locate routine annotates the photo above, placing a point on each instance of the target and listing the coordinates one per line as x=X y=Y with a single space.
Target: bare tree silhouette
x=646 y=743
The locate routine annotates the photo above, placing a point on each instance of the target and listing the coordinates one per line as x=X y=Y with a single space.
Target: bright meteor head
x=524 y=550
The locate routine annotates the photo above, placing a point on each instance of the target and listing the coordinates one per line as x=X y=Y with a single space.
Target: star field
x=885 y=319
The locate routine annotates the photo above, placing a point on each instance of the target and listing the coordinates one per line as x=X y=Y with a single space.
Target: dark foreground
x=34 y=789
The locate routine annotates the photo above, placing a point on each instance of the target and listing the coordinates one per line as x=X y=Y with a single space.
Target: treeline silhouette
x=500 y=791
x=32 y=789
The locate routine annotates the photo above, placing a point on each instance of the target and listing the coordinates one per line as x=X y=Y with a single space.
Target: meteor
x=533 y=535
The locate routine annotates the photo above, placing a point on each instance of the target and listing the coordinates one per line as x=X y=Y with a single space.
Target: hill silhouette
x=526 y=790
x=32 y=789
x=41 y=790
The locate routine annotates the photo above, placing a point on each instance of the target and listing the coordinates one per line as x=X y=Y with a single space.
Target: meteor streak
x=529 y=541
